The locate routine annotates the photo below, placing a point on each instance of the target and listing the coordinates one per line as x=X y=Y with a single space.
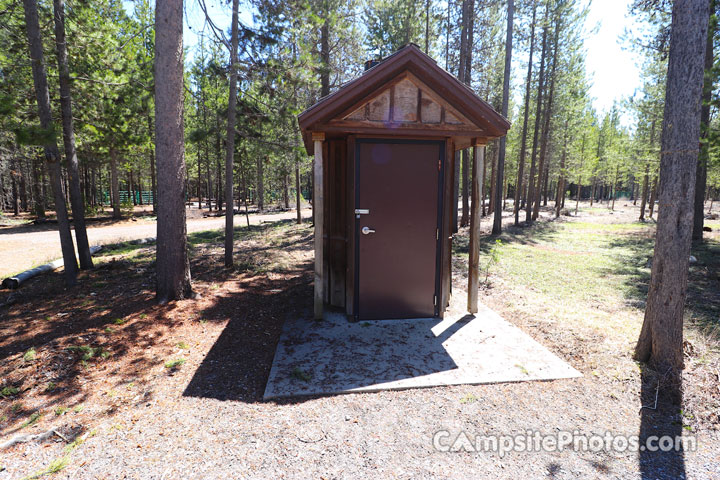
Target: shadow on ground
x=661 y=426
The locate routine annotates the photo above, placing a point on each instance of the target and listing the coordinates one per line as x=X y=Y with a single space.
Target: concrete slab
x=336 y=356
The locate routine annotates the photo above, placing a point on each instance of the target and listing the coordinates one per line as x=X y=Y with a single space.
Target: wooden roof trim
x=408 y=58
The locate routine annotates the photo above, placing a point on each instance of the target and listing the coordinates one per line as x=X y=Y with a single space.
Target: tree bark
x=230 y=140
x=523 y=137
x=560 y=197
x=13 y=182
x=653 y=196
x=153 y=186
x=643 y=199
x=172 y=266
x=701 y=182
x=38 y=196
x=325 y=51
x=76 y=198
x=661 y=338
x=538 y=116
x=546 y=122
x=497 y=221
x=465 y=184
x=115 y=185
x=493 y=180
x=52 y=155
x=298 y=206
x=261 y=184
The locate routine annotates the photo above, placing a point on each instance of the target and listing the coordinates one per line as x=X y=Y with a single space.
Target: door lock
x=367 y=230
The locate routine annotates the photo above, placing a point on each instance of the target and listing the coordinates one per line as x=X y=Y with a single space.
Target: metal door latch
x=361 y=211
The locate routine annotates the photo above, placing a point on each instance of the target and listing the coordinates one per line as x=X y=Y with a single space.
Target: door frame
x=441 y=145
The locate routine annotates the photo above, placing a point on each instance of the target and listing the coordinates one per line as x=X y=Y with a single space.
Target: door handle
x=367 y=230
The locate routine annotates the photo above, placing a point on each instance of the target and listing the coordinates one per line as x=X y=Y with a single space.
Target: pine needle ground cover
x=135 y=389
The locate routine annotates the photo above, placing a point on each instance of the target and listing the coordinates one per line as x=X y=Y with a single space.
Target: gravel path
x=26 y=246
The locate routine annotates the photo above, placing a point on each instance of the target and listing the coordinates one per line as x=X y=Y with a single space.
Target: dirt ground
x=28 y=245
x=136 y=390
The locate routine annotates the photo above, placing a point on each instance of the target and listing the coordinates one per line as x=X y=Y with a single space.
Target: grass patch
x=183 y=346
x=60 y=411
x=30 y=355
x=89 y=352
x=55 y=466
x=173 y=364
x=469 y=398
x=9 y=392
x=34 y=418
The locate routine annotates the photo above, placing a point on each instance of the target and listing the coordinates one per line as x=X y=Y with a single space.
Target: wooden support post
x=473 y=267
x=318 y=214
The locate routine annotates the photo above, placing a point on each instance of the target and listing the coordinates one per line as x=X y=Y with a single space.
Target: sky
x=612 y=70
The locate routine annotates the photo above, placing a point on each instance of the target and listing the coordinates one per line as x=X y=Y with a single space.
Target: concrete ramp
x=336 y=356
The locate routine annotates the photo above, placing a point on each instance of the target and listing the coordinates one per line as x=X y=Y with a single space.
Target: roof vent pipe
x=370 y=63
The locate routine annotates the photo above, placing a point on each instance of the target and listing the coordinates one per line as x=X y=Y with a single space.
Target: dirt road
x=26 y=246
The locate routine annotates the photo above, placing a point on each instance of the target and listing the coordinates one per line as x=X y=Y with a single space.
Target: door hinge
x=437 y=234
x=435 y=300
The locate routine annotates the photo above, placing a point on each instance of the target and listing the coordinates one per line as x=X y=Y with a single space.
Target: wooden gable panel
x=430 y=112
x=378 y=109
x=405 y=102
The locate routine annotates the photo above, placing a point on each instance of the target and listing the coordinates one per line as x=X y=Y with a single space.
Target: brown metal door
x=398 y=184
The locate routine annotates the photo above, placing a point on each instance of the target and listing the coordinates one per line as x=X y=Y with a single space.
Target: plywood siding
x=336 y=222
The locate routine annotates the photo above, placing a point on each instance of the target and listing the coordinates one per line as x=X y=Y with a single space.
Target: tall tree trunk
x=701 y=182
x=153 y=186
x=37 y=187
x=643 y=200
x=286 y=191
x=538 y=117
x=261 y=184
x=579 y=184
x=483 y=187
x=493 y=180
x=325 y=50
x=497 y=221
x=466 y=77
x=427 y=26
x=13 y=181
x=661 y=338
x=230 y=140
x=172 y=266
x=131 y=188
x=465 y=218
x=523 y=135
x=208 y=173
x=114 y=184
x=653 y=195
x=298 y=206
x=614 y=189
x=546 y=121
x=23 y=189
x=560 y=197
x=52 y=155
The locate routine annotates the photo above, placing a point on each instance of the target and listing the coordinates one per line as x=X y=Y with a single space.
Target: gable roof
x=408 y=59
